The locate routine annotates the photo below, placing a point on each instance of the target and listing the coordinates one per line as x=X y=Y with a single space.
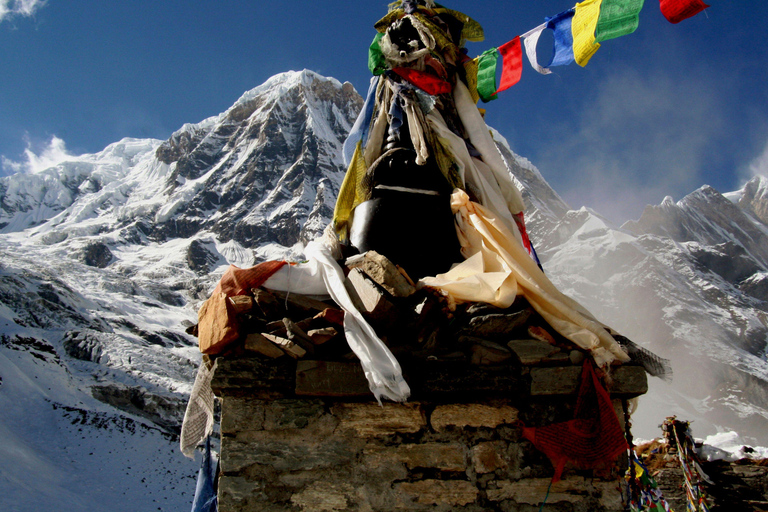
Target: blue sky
x=655 y=113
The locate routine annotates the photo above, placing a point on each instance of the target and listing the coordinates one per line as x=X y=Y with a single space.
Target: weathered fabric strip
x=531 y=40
x=486 y=75
x=583 y=27
x=677 y=10
x=512 y=63
x=617 y=18
x=561 y=25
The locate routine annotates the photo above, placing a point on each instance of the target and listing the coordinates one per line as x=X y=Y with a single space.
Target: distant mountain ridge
x=104 y=260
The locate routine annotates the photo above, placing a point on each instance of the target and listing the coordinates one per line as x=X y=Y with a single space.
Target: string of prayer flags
x=583 y=27
x=617 y=18
x=531 y=39
x=512 y=67
x=561 y=25
x=577 y=34
x=677 y=10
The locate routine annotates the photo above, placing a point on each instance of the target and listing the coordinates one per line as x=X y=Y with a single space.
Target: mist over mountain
x=105 y=258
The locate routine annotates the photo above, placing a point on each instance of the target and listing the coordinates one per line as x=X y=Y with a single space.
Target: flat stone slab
x=626 y=381
x=330 y=378
x=532 y=351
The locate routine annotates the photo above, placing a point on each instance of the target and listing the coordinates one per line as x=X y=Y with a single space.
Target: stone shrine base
x=307 y=436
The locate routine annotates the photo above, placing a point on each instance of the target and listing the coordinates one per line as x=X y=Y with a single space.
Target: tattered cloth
x=593 y=438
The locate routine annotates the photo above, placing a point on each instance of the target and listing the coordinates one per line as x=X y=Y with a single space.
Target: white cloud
x=10 y=8
x=639 y=138
x=50 y=155
x=759 y=166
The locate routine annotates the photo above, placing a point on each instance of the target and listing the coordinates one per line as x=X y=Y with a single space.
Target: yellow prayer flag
x=583 y=27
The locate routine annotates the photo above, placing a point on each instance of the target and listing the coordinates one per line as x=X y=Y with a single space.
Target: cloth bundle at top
x=419 y=147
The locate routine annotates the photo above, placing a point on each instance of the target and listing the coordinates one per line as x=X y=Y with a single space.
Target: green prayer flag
x=617 y=18
x=486 y=75
x=377 y=64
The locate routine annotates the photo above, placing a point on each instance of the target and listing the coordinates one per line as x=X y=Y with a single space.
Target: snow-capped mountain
x=104 y=260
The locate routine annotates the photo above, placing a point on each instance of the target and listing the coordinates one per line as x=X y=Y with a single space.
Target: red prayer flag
x=677 y=10
x=512 y=53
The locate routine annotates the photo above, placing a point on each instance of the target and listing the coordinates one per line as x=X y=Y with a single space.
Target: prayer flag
x=531 y=39
x=583 y=27
x=677 y=10
x=617 y=18
x=512 y=67
x=486 y=75
x=561 y=24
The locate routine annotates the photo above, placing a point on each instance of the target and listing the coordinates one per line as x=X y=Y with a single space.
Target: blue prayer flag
x=561 y=25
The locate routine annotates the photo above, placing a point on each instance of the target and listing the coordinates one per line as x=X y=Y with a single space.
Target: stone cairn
x=301 y=431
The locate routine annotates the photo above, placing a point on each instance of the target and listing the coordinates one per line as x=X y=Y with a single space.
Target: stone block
x=453 y=493
x=488 y=353
x=321 y=336
x=330 y=378
x=239 y=494
x=471 y=415
x=532 y=491
x=628 y=381
x=539 y=333
x=442 y=456
x=383 y=272
x=256 y=342
x=558 y=380
x=254 y=376
x=489 y=456
x=241 y=303
x=459 y=381
x=292 y=413
x=241 y=414
x=325 y=496
x=284 y=451
x=498 y=324
x=532 y=352
x=289 y=347
x=299 y=305
x=369 y=298
x=373 y=420
x=267 y=303
x=297 y=335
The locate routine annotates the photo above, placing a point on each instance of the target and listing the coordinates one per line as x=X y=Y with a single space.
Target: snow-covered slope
x=104 y=260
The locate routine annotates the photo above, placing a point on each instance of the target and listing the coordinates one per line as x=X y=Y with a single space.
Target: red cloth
x=677 y=10
x=239 y=281
x=427 y=82
x=593 y=438
x=512 y=69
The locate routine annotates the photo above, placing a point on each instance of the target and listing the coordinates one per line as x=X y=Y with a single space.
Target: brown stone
x=297 y=335
x=372 y=420
x=241 y=414
x=322 y=336
x=440 y=492
x=383 y=272
x=255 y=377
x=330 y=378
x=532 y=491
x=332 y=316
x=483 y=354
x=471 y=415
x=267 y=303
x=487 y=457
x=628 y=381
x=241 y=303
x=498 y=324
x=559 y=380
x=442 y=456
x=532 y=352
x=299 y=305
x=286 y=345
x=541 y=334
x=256 y=342
x=324 y=496
x=369 y=298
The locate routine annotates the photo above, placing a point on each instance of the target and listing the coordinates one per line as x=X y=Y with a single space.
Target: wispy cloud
x=10 y=8
x=639 y=138
x=36 y=160
x=759 y=166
